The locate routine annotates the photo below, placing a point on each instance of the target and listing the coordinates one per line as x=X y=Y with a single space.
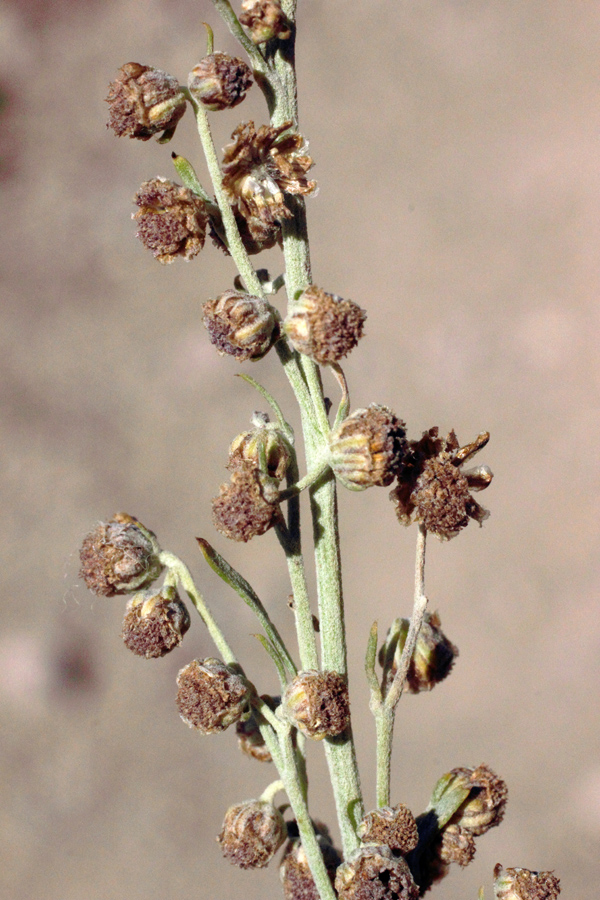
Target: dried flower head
x=259 y=168
x=367 y=448
x=171 y=220
x=252 y=834
x=211 y=696
x=296 y=878
x=241 y=325
x=220 y=81
x=250 y=740
x=373 y=872
x=265 y=447
x=437 y=850
x=434 y=490
x=456 y=845
x=263 y=237
x=521 y=884
x=484 y=807
x=266 y=20
x=394 y=826
x=317 y=703
x=432 y=659
x=155 y=623
x=143 y=102
x=119 y=557
x=324 y=326
x=245 y=506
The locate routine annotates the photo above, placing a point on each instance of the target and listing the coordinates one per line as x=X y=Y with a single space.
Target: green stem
x=271 y=791
x=183 y=575
x=384 y=725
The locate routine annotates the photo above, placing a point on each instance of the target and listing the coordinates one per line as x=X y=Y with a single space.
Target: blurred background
x=456 y=146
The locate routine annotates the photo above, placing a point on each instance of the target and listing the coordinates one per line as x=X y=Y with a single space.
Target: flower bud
x=250 y=740
x=317 y=703
x=296 y=878
x=119 y=557
x=266 y=20
x=521 y=884
x=211 y=696
x=252 y=834
x=367 y=448
x=393 y=826
x=171 y=220
x=484 y=807
x=155 y=623
x=241 y=325
x=143 y=102
x=324 y=326
x=220 y=81
x=432 y=659
x=244 y=507
x=373 y=872
x=267 y=442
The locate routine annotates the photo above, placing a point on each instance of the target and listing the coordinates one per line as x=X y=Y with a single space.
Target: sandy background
x=457 y=145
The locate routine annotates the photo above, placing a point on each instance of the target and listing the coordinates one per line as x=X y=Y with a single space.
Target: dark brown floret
x=154 y=623
x=241 y=325
x=241 y=512
x=259 y=168
x=522 y=884
x=171 y=220
x=220 y=81
x=368 y=448
x=266 y=20
x=323 y=326
x=119 y=556
x=432 y=488
x=143 y=102
x=252 y=833
x=318 y=703
x=393 y=826
x=211 y=696
x=374 y=873
x=296 y=878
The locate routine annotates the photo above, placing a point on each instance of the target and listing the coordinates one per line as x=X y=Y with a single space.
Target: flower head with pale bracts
x=259 y=168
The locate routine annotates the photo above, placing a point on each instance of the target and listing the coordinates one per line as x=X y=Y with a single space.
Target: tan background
x=457 y=146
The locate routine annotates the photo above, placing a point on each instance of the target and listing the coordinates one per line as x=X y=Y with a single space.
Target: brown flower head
x=296 y=878
x=247 y=505
x=211 y=696
x=373 y=872
x=264 y=234
x=259 y=168
x=431 y=862
x=484 y=807
x=171 y=220
x=266 y=20
x=143 y=102
x=119 y=557
x=434 y=490
x=250 y=740
x=155 y=623
x=252 y=834
x=367 y=448
x=521 y=884
x=241 y=325
x=432 y=659
x=393 y=826
x=265 y=446
x=324 y=326
x=220 y=81
x=317 y=703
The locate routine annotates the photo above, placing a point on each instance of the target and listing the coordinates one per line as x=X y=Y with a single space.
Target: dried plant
x=256 y=201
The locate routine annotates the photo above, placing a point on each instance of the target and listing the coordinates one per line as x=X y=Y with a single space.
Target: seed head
x=143 y=102
x=521 y=884
x=259 y=168
x=373 y=872
x=393 y=826
x=241 y=325
x=252 y=834
x=211 y=696
x=266 y=20
x=220 y=81
x=317 y=703
x=296 y=878
x=155 y=623
x=484 y=807
x=368 y=448
x=119 y=557
x=432 y=659
x=171 y=220
x=324 y=326
x=265 y=445
x=434 y=490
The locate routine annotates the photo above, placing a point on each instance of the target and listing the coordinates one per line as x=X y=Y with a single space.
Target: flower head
x=119 y=557
x=434 y=490
x=143 y=102
x=522 y=884
x=220 y=81
x=317 y=703
x=296 y=878
x=393 y=826
x=259 y=168
x=171 y=220
x=367 y=448
x=324 y=326
x=266 y=20
x=432 y=659
x=211 y=696
x=245 y=507
x=155 y=623
x=373 y=872
x=241 y=325
x=252 y=834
